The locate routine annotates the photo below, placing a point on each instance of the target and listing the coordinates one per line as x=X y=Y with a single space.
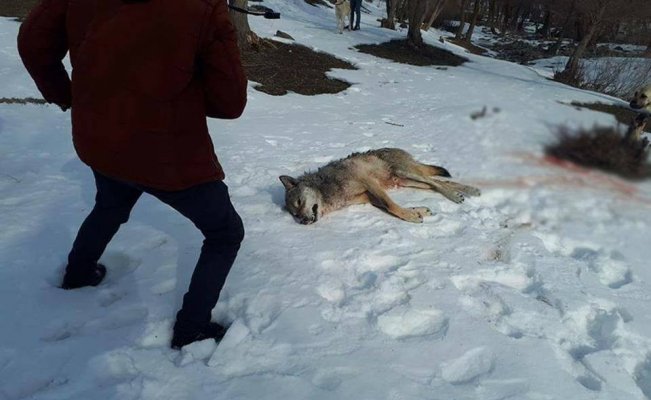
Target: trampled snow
x=538 y=289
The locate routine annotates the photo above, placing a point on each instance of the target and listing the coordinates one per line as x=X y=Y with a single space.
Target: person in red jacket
x=146 y=74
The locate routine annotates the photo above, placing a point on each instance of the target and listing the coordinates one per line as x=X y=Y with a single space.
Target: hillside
x=538 y=289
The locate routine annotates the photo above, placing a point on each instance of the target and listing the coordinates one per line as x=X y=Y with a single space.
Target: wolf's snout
x=310 y=219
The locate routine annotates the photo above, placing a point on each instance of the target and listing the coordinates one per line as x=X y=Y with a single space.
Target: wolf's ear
x=288 y=181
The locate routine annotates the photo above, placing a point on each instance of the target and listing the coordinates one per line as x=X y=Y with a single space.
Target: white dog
x=642 y=100
x=342 y=12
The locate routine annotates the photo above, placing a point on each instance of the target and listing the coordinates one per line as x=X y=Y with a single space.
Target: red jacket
x=145 y=76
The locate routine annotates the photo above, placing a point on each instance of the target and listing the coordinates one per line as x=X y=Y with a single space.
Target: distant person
x=355 y=10
x=146 y=76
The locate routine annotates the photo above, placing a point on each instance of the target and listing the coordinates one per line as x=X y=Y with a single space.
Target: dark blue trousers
x=208 y=206
x=355 y=10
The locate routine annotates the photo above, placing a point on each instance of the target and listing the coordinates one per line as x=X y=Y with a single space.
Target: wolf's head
x=302 y=201
x=642 y=99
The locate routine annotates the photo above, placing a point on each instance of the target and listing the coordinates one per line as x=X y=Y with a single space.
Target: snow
x=538 y=289
x=471 y=365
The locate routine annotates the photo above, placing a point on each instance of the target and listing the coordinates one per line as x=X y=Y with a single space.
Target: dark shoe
x=78 y=281
x=211 y=331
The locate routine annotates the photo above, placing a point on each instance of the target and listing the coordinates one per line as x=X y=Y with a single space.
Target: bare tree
x=390 y=21
x=416 y=14
x=592 y=13
x=545 y=30
x=505 y=20
x=492 y=15
x=568 y=11
x=434 y=13
x=396 y=9
x=462 y=20
x=245 y=36
x=473 y=20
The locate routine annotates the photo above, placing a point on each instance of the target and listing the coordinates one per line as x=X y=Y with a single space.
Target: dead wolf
x=364 y=178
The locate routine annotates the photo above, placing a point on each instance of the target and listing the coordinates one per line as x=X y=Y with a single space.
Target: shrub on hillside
x=619 y=77
x=602 y=148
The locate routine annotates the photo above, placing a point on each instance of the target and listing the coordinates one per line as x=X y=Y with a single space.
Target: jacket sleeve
x=42 y=45
x=221 y=68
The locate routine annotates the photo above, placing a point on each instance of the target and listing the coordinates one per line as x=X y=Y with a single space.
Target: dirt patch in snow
x=21 y=100
x=16 y=8
x=280 y=68
x=318 y=3
x=623 y=115
x=400 y=51
x=472 y=48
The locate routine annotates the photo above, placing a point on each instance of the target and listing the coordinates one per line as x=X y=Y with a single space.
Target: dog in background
x=642 y=103
x=342 y=12
x=642 y=100
x=364 y=178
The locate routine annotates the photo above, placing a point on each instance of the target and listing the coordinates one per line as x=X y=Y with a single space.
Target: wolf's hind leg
x=468 y=190
x=433 y=170
x=453 y=191
x=424 y=182
x=381 y=199
x=449 y=193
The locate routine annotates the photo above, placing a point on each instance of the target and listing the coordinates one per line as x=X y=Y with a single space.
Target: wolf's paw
x=423 y=211
x=471 y=191
x=459 y=191
x=456 y=197
x=416 y=214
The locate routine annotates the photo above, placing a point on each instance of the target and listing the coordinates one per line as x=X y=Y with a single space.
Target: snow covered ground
x=539 y=289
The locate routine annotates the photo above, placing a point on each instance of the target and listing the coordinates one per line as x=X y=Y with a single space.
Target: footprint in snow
x=113 y=368
x=118 y=265
x=407 y=323
x=593 y=330
x=330 y=379
x=59 y=331
x=108 y=297
x=473 y=364
x=642 y=376
x=611 y=268
x=196 y=352
x=118 y=318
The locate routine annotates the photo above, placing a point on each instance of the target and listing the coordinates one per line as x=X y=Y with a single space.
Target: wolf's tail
x=435 y=170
